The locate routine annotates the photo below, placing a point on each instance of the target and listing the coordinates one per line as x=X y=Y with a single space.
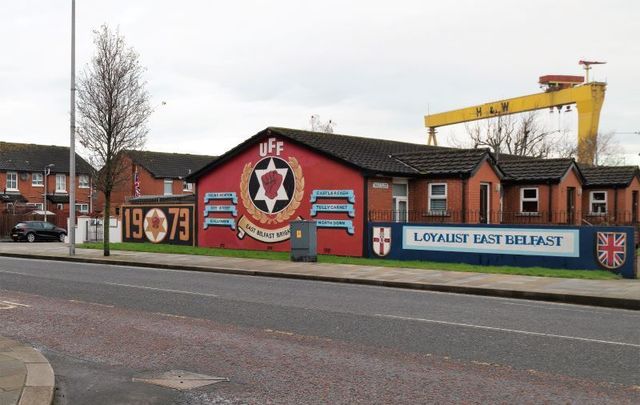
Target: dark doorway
x=634 y=207
x=571 y=205
x=484 y=203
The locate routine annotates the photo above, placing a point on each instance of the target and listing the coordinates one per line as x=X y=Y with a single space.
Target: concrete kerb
x=610 y=302
x=38 y=383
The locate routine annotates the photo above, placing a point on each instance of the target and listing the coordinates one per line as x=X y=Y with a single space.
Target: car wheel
x=62 y=236
x=31 y=237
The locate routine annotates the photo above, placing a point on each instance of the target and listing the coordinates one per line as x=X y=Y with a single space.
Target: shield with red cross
x=381 y=240
x=611 y=249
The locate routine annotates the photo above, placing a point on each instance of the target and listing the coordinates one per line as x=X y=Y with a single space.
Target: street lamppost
x=72 y=146
x=47 y=170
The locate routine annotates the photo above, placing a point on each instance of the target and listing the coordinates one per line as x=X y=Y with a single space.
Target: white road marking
x=11 y=305
x=523 y=332
x=162 y=289
x=558 y=305
x=15 y=272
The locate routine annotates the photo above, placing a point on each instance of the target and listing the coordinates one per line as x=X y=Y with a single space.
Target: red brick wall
x=34 y=194
x=623 y=213
x=380 y=199
x=149 y=185
x=484 y=174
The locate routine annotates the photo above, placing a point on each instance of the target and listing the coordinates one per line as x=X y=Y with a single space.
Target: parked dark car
x=37 y=230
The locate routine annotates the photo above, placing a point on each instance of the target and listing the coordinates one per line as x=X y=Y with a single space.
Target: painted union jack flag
x=611 y=249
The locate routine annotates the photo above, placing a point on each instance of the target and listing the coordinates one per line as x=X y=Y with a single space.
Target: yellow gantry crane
x=561 y=90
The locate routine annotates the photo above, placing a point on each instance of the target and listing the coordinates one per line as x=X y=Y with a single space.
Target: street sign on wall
x=167 y=224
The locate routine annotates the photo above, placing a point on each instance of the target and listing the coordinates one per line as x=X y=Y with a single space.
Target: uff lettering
x=268 y=147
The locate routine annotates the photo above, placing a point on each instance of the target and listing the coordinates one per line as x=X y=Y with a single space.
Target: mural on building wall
x=249 y=201
x=168 y=224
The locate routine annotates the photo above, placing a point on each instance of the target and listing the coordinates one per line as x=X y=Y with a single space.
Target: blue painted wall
x=582 y=255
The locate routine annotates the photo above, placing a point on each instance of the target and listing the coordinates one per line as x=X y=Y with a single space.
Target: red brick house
x=541 y=191
x=247 y=196
x=27 y=171
x=611 y=194
x=158 y=174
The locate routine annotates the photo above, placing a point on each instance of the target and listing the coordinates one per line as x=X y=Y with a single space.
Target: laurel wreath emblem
x=283 y=215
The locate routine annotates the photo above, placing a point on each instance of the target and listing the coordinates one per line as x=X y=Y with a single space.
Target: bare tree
x=113 y=106
x=523 y=136
x=318 y=126
x=607 y=151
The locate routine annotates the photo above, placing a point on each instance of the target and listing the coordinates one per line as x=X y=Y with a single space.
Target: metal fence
x=94 y=230
x=504 y=217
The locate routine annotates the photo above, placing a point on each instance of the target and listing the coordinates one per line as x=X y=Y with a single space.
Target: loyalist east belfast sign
x=247 y=201
x=568 y=247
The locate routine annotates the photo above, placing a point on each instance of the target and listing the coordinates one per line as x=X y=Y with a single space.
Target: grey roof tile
x=169 y=165
x=599 y=176
x=25 y=157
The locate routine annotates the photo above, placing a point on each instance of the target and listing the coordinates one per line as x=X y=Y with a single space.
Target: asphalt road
x=292 y=341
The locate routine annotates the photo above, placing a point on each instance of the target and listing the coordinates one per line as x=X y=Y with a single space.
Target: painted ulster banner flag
x=611 y=249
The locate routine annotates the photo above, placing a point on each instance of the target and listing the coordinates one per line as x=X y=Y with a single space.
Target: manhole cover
x=179 y=379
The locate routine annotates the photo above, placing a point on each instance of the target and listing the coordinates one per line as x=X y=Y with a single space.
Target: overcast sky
x=229 y=69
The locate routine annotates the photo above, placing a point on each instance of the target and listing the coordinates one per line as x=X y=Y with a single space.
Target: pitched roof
x=609 y=176
x=535 y=170
x=444 y=162
x=169 y=165
x=367 y=154
x=26 y=157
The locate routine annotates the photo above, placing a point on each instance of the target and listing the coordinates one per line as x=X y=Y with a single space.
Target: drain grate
x=179 y=379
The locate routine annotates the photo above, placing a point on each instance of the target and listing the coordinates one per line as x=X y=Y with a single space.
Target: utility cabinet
x=304 y=241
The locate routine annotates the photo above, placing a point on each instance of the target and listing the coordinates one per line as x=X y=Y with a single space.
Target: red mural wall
x=248 y=201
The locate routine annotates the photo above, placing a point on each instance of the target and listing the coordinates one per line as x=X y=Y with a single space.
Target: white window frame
x=187 y=186
x=64 y=177
x=84 y=208
x=398 y=199
x=60 y=206
x=82 y=184
x=605 y=201
x=33 y=178
x=164 y=189
x=15 y=179
x=529 y=199
x=438 y=197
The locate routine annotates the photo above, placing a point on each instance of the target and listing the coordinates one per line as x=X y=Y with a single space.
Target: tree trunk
x=105 y=224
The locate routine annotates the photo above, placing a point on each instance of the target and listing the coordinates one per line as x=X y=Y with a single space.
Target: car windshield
x=47 y=225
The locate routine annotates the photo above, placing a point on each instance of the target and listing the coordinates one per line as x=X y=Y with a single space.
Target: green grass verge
x=254 y=254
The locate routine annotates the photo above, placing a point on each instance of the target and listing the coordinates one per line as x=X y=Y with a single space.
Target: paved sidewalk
x=26 y=377
x=610 y=293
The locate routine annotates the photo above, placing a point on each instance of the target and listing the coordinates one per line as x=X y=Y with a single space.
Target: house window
x=168 y=186
x=12 y=181
x=529 y=200
x=437 y=198
x=60 y=207
x=598 y=202
x=187 y=186
x=37 y=206
x=400 y=189
x=82 y=208
x=37 y=180
x=83 y=181
x=61 y=183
